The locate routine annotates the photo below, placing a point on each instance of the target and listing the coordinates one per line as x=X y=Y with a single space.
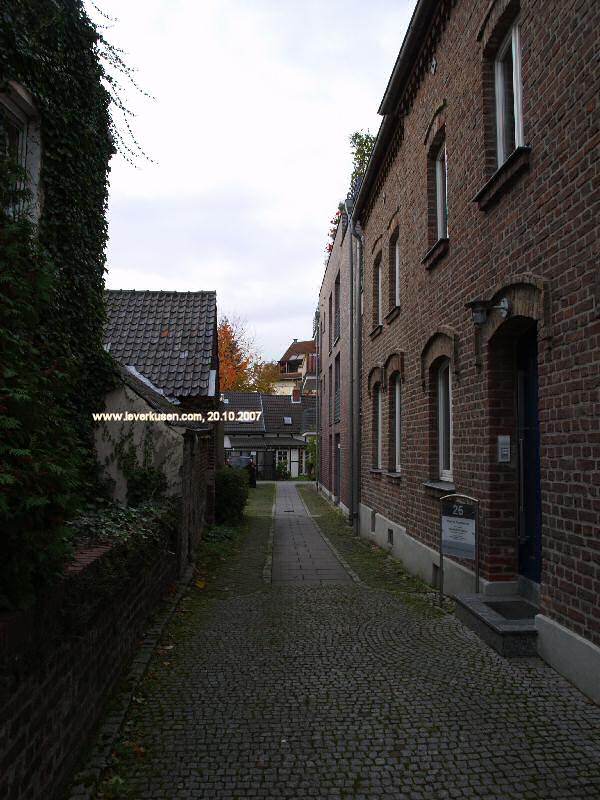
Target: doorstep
x=506 y=623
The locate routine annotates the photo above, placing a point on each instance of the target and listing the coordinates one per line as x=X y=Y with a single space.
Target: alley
x=301 y=556
x=299 y=689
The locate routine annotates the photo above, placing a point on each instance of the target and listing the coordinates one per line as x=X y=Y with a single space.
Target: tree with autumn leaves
x=240 y=367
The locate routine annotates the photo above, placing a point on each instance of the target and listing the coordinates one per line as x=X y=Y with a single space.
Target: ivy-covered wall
x=53 y=370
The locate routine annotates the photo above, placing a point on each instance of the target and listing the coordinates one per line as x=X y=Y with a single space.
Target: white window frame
x=283 y=457
x=445 y=474
x=17 y=103
x=397 y=423
x=379 y=427
x=512 y=41
x=441 y=191
x=397 y=270
x=378 y=279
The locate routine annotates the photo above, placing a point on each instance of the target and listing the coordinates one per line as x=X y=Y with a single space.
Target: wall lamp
x=481 y=308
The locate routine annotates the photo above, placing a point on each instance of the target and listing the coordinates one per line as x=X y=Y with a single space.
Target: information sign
x=459 y=516
x=458 y=529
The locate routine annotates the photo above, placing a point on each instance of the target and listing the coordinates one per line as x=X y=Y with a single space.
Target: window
x=377 y=427
x=330 y=327
x=336 y=412
x=394 y=285
x=20 y=139
x=441 y=191
x=377 y=294
x=336 y=295
x=507 y=84
x=330 y=393
x=396 y=423
x=397 y=271
x=444 y=420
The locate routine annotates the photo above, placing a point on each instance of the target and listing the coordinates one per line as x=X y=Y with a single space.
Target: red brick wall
x=50 y=700
x=338 y=263
x=544 y=224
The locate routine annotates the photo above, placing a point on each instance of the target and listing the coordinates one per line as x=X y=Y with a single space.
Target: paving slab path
x=301 y=556
x=321 y=687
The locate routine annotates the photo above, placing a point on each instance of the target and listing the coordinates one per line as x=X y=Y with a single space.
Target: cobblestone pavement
x=343 y=691
x=301 y=556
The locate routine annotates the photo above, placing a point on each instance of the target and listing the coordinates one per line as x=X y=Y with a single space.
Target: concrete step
x=506 y=623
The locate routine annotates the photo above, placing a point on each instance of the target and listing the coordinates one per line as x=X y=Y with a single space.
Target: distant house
x=166 y=346
x=280 y=435
x=298 y=369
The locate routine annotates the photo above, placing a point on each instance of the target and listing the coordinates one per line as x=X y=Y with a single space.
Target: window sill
x=440 y=486
x=376 y=471
x=436 y=253
x=375 y=332
x=392 y=314
x=503 y=178
x=394 y=475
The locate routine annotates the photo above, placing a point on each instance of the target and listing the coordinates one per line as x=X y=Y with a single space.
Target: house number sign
x=459 y=517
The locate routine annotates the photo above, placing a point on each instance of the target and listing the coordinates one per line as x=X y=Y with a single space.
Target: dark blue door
x=530 y=505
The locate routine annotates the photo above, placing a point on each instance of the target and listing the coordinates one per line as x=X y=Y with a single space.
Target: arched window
x=396 y=423
x=444 y=420
x=377 y=426
x=441 y=191
x=377 y=292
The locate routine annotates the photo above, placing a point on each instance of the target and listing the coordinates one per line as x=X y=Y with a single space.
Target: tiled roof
x=298 y=349
x=243 y=401
x=157 y=401
x=169 y=337
x=275 y=408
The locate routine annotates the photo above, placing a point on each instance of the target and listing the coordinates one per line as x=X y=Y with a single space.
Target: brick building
x=297 y=369
x=481 y=308
x=333 y=337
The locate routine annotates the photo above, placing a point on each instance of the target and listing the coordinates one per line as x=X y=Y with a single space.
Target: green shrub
x=231 y=494
x=282 y=472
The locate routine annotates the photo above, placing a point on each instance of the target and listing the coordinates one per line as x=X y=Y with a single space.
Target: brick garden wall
x=535 y=243
x=54 y=686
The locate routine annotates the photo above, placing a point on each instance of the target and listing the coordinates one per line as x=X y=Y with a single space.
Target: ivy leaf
x=36 y=502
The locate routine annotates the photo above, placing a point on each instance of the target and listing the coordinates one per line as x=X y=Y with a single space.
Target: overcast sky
x=253 y=104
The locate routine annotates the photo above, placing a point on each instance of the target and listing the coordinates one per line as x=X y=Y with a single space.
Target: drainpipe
x=354 y=372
